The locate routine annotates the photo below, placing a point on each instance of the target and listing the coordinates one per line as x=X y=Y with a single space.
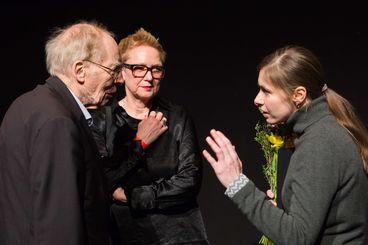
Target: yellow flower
x=276 y=141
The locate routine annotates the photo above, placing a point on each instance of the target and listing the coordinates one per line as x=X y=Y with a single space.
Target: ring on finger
x=164 y=121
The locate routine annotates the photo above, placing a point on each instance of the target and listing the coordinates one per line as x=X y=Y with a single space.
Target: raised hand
x=228 y=166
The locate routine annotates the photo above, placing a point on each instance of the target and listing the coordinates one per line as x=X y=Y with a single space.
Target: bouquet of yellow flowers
x=271 y=139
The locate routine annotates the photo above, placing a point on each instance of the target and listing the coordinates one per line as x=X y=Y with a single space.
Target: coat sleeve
x=116 y=169
x=56 y=170
x=183 y=186
x=117 y=162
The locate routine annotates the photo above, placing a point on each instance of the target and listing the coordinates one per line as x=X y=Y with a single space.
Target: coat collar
x=59 y=88
x=309 y=114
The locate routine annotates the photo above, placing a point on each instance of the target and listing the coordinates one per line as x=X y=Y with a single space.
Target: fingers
x=229 y=146
x=150 y=128
x=160 y=117
x=163 y=129
x=271 y=196
x=224 y=144
x=228 y=166
x=215 y=148
x=209 y=158
x=118 y=194
x=152 y=114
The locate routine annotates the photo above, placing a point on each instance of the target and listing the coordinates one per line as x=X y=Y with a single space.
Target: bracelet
x=143 y=144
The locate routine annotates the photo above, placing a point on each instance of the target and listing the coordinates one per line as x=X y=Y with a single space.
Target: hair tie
x=324 y=88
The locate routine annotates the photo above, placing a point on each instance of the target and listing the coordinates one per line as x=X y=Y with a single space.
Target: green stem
x=274 y=174
x=273 y=184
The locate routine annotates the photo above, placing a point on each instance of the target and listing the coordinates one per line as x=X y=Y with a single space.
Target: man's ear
x=79 y=71
x=299 y=96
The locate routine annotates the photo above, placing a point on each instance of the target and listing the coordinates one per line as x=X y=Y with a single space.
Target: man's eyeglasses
x=140 y=71
x=114 y=73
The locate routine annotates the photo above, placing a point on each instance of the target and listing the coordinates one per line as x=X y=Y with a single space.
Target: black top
x=161 y=183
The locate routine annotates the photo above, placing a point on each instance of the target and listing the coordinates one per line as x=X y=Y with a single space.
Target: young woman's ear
x=299 y=96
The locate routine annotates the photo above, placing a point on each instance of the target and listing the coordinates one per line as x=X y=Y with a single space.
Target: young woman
x=325 y=193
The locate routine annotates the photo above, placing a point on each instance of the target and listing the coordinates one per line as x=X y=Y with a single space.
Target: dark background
x=213 y=50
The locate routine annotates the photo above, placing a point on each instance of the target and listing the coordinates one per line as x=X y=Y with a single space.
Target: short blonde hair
x=79 y=41
x=140 y=38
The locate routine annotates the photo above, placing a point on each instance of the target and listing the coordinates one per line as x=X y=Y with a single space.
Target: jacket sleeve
x=117 y=162
x=117 y=168
x=181 y=188
x=56 y=168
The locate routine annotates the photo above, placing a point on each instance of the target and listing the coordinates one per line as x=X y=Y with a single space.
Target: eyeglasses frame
x=114 y=73
x=131 y=67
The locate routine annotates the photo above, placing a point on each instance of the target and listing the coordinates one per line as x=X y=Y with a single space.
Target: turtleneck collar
x=309 y=114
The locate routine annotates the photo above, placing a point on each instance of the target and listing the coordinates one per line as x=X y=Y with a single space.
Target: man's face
x=101 y=75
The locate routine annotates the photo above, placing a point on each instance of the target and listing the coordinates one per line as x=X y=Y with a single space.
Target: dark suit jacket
x=51 y=185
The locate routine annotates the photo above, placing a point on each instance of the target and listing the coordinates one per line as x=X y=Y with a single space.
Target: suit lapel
x=61 y=90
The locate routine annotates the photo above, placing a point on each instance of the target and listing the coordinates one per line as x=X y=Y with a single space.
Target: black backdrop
x=213 y=50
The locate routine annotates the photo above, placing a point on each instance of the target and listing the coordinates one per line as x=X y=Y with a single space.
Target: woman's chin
x=272 y=121
x=146 y=96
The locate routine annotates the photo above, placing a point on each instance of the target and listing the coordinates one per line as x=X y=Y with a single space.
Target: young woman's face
x=275 y=105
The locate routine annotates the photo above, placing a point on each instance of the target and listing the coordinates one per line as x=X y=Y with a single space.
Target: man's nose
x=119 y=79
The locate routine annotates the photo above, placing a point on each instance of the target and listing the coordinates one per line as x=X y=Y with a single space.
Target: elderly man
x=52 y=189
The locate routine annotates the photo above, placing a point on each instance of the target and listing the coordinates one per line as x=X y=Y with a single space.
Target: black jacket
x=161 y=183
